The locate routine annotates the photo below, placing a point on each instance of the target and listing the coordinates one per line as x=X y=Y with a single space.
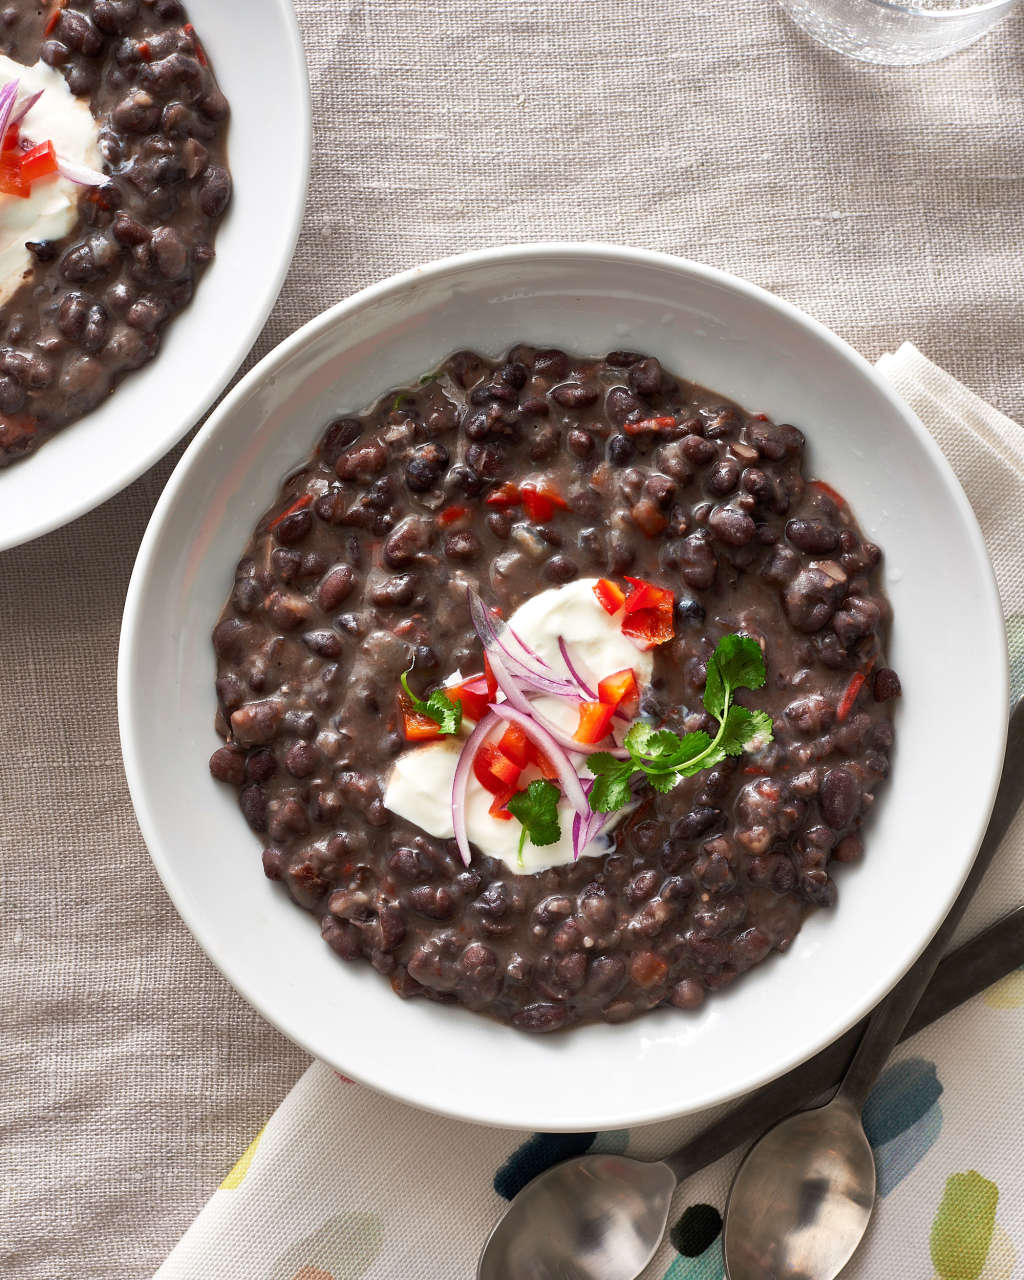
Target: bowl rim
x=265 y=369
x=293 y=56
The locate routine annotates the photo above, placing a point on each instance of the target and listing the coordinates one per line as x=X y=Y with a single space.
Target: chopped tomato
x=416 y=728
x=499 y=805
x=649 y=424
x=620 y=692
x=472 y=701
x=649 y=613
x=515 y=745
x=595 y=721
x=506 y=495
x=492 y=684
x=610 y=595
x=828 y=491
x=850 y=696
x=450 y=514
x=297 y=505
x=40 y=162
x=494 y=770
x=540 y=501
x=12 y=178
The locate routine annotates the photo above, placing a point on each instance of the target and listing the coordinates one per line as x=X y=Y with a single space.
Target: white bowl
x=948 y=646
x=268 y=152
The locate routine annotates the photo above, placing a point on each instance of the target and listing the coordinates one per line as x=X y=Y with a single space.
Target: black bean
x=840 y=798
x=646 y=378
x=113 y=16
x=540 y=1017
x=812 y=536
x=700 y=821
x=328 y=644
x=551 y=364
x=723 y=477
x=253 y=803
x=215 y=191
x=294 y=528
x=887 y=685
x=580 y=442
x=697 y=561
x=424 y=468
x=698 y=450
x=731 y=526
x=227 y=764
x=810 y=600
x=688 y=994
x=621 y=404
x=335 y=587
x=574 y=395
x=395 y=591
x=620 y=450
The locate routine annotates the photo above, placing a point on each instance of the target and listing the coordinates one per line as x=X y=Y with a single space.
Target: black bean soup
x=364 y=576
x=95 y=303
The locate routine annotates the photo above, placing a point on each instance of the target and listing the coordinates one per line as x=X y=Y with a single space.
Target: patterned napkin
x=343 y=1184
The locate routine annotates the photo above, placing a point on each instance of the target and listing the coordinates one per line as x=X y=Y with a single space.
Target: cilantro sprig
x=447 y=715
x=665 y=759
x=537 y=809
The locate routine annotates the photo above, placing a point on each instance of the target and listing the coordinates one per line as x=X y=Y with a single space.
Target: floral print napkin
x=343 y=1184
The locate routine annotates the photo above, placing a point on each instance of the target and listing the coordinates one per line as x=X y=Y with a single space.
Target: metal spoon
x=803 y=1197
x=602 y=1217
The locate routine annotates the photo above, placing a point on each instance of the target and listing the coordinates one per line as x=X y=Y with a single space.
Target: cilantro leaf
x=537 y=809
x=611 y=791
x=664 y=758
x=447 y=715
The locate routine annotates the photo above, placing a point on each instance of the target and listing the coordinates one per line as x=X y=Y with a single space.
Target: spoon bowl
x=598 y=1217
x=802 y=1198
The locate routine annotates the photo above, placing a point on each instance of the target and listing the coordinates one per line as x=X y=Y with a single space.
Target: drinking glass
x=897 y=34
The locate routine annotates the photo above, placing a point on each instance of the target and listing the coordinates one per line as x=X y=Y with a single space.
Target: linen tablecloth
x=890 y=204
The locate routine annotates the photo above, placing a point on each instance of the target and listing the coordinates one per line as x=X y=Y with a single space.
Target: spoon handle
x=891 y=1016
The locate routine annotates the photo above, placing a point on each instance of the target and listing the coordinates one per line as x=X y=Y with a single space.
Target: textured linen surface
x=332 y=1188
x=890 y=204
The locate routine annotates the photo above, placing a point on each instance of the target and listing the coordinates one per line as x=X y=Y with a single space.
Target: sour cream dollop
x=51 y=210
x=419 y=787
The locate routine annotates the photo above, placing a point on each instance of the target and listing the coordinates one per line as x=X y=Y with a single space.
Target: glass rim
x=918 y=11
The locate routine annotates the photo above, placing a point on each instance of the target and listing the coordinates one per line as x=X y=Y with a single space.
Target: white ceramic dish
x=102 y=453
x=948 y=646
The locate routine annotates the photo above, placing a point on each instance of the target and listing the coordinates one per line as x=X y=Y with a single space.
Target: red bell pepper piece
x=649 y=424
x=547 y=769
x=145 y=52
x=12 y=138
x=54 y=18
x=297 y=505
x=472 y=701
x=416 y=728
x=492 y=684
x=610 y=595
x=506 y=495
x=620 y=691
x=450 y=514
x=515 y=745
x=499 y=805
x=12 y=179
x=40 y=162
x=190 y=31
x=595 y=721
x=541 y=501
x=857 y=681
x=649 y=613
x=494 y=770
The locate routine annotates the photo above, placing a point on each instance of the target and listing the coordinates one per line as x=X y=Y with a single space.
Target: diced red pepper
x=828 y=491
x=492 y=684
x=610 y=595
x=416 y=728
x=145 y=52
x=857 y=681
x=473 y=703
x=190 y=31
x=538 y=758
x=54 y=18
x=595 y=721
x=12 y=138
x=40 y=162
x=515 y=745
x=297 y=505
x=499 y=805
x=450 y=514
x=649 y=424
x=506 y=495
x=12 y=179
x=620 y=691
x=756 y=771
x=649 y=613
x=541 y=501
x=494 y=770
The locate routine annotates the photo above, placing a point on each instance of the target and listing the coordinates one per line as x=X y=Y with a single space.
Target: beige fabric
x=888 y=203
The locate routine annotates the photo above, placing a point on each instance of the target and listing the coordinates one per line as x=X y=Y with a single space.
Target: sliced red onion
x=527 y=651
x=563 y=649
x=8 y=95
x=24 y=108
x=571 y=744
x=80 y=173
x=461 y=781
x=522 y=669
x=508 y=686
x=572 y=788
x=586 y=829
